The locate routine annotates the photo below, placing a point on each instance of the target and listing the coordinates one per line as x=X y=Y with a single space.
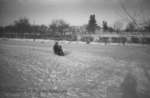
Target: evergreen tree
x=91 y=27
x=105 y=26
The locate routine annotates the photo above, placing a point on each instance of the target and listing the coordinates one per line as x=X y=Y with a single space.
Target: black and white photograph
x=74 y=48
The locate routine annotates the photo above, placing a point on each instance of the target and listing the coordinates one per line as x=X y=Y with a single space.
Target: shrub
x=115 y=40
x=123 y=40
x=87 y=39
x=70 y=38
x=145 y=40
x=135 y=40
x=104 y=39
x=118 y=39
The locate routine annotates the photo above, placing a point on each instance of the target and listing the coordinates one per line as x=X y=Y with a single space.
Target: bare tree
x=132 y=18
x=147 y=26
x=22 y=25
x=118 y=26
x=130 y=27
x=59 y=27
x=139 y=21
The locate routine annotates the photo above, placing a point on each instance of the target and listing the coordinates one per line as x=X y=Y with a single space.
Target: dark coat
x=58 y=49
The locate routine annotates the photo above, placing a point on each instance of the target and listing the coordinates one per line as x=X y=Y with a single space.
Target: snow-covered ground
x=30 y=69
x=70 y=42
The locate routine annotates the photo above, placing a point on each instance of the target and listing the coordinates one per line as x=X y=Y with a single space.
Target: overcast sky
x=75 y=12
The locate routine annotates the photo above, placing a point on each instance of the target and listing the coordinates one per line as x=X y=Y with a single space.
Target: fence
x=116 y=38
x=103 y=38
x=38 y=36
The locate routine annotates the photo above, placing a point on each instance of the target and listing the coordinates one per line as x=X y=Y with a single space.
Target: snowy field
x=29 y=69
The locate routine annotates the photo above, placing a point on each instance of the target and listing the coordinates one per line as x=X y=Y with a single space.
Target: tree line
x=60 y=27
x=131 y=26
x=22 y=26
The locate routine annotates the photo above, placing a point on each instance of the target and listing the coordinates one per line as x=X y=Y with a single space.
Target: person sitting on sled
x=58 y=49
